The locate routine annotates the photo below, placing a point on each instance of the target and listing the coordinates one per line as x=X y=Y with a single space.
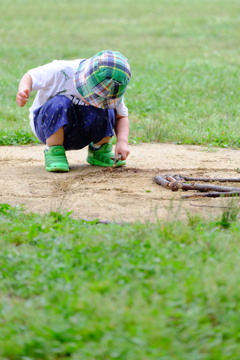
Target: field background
x=78 y=290
x=184 y=57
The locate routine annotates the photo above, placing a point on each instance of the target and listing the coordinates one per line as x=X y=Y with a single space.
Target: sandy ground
x=121 y=194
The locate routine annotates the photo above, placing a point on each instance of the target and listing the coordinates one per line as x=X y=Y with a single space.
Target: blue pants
x=82 y=124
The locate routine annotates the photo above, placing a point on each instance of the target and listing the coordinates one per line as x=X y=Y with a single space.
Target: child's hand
x=22 y=97
x=123 y=149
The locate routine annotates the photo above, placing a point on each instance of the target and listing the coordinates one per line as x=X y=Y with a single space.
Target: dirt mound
x=119 y=194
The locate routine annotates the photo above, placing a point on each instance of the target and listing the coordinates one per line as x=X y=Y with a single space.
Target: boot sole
x=96 y=162
x=57 y=169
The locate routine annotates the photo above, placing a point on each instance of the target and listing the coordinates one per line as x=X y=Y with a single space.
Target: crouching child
x=79 y=103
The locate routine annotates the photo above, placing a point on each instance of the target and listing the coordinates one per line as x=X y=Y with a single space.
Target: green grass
x=71 y=289
x=184 y=57
x=75 y=290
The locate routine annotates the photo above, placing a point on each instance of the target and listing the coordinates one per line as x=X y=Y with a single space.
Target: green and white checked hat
x=102 y=79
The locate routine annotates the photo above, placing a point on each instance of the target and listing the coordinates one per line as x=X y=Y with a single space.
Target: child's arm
x=122 y=132
x=24 y=90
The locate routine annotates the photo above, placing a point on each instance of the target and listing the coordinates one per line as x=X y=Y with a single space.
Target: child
x=79 y=103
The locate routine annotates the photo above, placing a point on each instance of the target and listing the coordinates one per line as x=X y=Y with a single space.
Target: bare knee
x=56 y=139
x=105 y=140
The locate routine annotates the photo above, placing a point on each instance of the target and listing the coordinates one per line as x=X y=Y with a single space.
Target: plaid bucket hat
x=102 y=79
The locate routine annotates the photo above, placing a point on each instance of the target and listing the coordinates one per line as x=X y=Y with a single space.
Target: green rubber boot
x=55 y=159
x=104 y=156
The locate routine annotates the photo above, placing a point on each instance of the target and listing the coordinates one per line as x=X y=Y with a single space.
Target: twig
x=161 y=181
x=201 y=187
x=214 y=194
x=176 y=185
x=187 y=178
x=170 y=178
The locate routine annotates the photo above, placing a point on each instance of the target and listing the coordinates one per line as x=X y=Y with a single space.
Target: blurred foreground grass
x=73 y=289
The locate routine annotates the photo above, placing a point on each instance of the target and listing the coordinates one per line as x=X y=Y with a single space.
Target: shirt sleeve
x=43 y=76
x=121 y=109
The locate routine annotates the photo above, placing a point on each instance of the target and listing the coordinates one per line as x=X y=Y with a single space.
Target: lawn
x=184 y=58
x=77 y=290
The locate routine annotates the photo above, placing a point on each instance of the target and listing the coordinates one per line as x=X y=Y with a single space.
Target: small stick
x=187 y=178
x=161 y=181
x=175 y=186
x=116 y=158
x=178 y=177
x=170 y=178
x=213 y=194
x=201 y=187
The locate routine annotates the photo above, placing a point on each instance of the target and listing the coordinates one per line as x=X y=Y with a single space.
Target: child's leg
x=102 y=155
x=97 y=128
x=56 y=139
x=50 y=118
x=55 y=157
x=105 y=140
x=49 y=122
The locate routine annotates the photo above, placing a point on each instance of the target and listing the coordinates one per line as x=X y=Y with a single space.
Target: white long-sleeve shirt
x=56 y=78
